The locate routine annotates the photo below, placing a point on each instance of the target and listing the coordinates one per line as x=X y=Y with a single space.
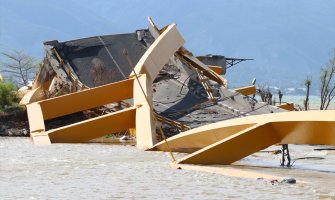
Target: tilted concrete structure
x=190 y=100
x=152 y=61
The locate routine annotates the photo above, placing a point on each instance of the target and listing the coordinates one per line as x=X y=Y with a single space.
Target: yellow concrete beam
x=235 y=147
x=36 y=124
x=261 y=136
x=248 y=90
x=145 y=125
x=93 y=128
x=40 y=138
x=155 y=32
x=203 y=136
x=216 y=69
x=145 y=128
x=87 y=99
x=198 y=138
x=311 y=132
x=159 y=53
x=35 y=116
x=33 y=95
x=147 y=68
x=79 y=101
x=287 y=106
x=304 y=127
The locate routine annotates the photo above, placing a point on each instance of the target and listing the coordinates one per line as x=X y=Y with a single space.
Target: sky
x=288 y=40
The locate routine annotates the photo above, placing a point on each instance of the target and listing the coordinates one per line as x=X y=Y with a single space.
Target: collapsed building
x=148 y=84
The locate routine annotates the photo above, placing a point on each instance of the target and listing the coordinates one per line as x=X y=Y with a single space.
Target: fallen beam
x=86 y=99
x=287 y=106
x=40 y=111
x=216 y=69
x=248 y=90
x=198 y=138
x=93 y=128
x=235 y=147
x=304 y=127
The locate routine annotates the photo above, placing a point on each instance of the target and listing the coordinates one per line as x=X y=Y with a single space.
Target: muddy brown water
x=104 y=171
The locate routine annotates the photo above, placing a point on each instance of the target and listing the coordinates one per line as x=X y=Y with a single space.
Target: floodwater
x=314 y=101
x=102 y=171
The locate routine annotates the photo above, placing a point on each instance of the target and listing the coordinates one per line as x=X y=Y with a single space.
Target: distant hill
x=288 y=39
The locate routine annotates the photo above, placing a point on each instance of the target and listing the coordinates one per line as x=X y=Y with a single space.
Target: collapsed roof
x=99 y=60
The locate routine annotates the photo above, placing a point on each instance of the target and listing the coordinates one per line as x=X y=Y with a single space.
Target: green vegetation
x=8 y=98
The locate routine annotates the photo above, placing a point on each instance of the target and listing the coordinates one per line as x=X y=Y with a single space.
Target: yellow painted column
x=145 y=124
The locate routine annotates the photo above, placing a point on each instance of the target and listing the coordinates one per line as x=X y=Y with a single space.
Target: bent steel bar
x=244 y=136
